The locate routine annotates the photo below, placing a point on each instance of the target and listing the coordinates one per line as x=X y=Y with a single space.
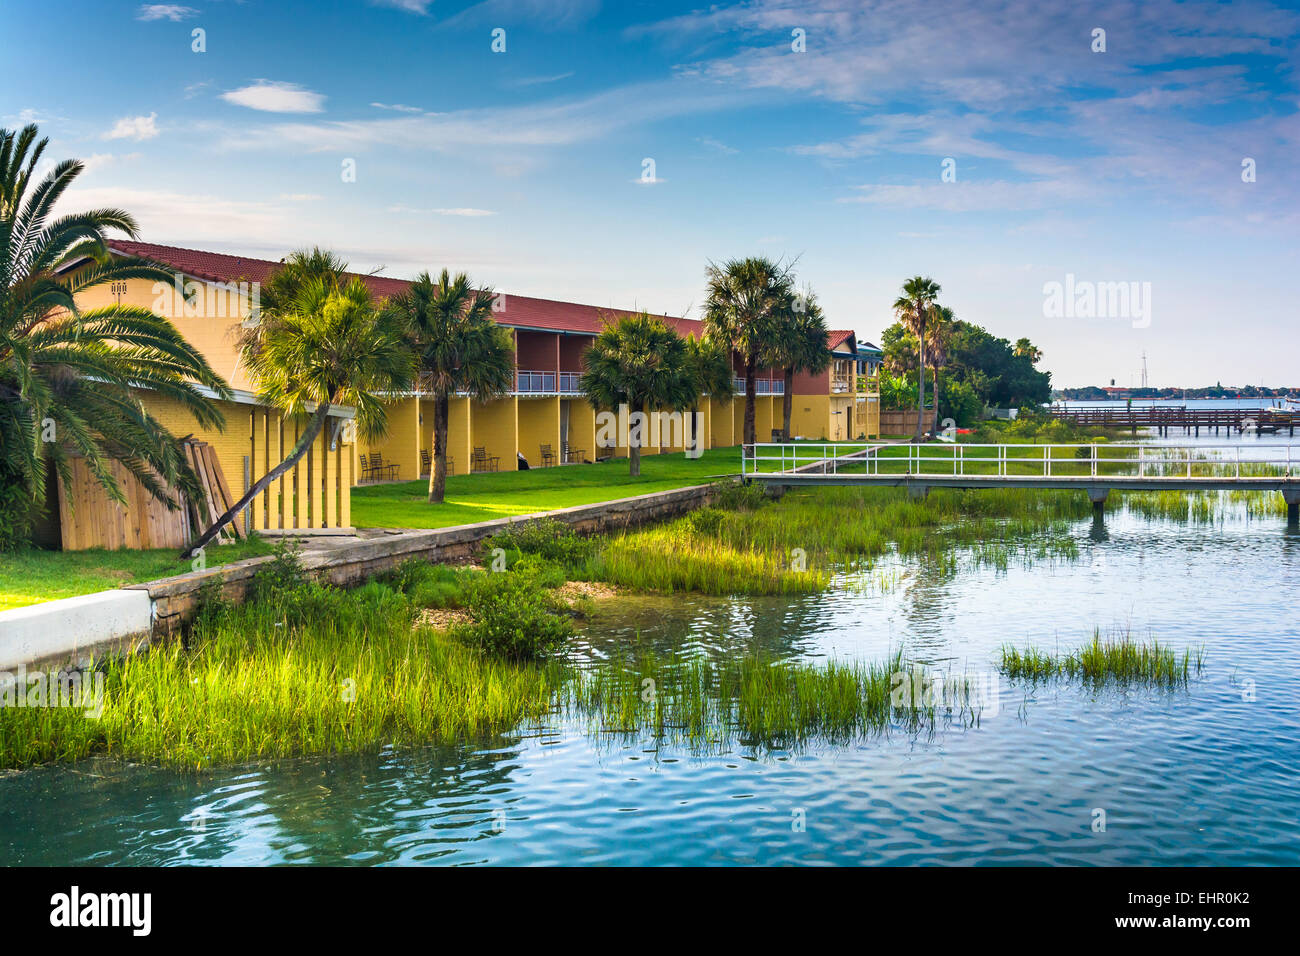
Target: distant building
x=870 y=358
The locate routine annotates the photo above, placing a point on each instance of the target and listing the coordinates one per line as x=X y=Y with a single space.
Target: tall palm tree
x=799 y=345
x=328 y=346
x=938 y=341
x=709 y=362
x=68 y=377
x=912 y=309
x=747 y=298
x=638 y=361
x=459 y=348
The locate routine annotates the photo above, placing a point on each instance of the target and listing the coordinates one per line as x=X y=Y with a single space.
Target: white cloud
x=397 y=107
x=276 y=97
x=165 y=215
x=717 y=145
x=134 y=127
x=466 y=211
x=300 y=197
x=165 y=11
x=410 y=6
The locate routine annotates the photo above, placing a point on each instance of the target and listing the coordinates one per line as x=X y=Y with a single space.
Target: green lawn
x=472 y=498
x=30 y=577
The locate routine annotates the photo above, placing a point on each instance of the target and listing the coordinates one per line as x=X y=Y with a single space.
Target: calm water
x=1198 y=776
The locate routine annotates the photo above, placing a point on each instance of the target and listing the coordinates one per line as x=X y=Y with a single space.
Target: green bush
x=543 y=537
x=961 y=404
x=279 y=580
x=15 y=513
x=706 y=522
x=730 y=496
x=513 y=619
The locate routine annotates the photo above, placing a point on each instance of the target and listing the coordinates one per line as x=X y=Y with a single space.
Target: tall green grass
x=1119 y=660
x=792 y=545
x=751 y=701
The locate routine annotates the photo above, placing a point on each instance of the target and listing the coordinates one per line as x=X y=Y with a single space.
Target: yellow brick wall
x=722 y=433
x=582 y=428
x=215 y=336
x=810 y=417
x=539 y=424
x=495 y=428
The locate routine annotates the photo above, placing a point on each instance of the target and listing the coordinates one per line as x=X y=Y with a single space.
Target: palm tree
x=1026 y=349
x=799 y=345
x=70 y=376
x=746 y=300
x=938 y=341
x=327 y=346
x=711 y=374
x=642 y=363
x=459 y=348
x=912 y=309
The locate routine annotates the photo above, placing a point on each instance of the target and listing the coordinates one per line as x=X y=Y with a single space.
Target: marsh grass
x=752 y=701
x=792 y=545
x=1119 y=660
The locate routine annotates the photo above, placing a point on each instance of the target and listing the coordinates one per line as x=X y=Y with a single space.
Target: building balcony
x=762 y=386
x=529 y=382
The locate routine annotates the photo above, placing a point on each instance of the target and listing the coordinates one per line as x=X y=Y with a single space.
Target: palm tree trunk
x=787 y=403
x=751 y=396
x=438 y=474
x=635 y=436
x=920 y=382
x=313 y=429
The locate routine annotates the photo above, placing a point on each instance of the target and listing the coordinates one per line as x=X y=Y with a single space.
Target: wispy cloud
x=300 y=197
x=465 y=211
x=420 y=7
x=716 y=145
x=397 y=107
x=541 y=80
x=134 y=127
x=165 y=11
x=272 y=96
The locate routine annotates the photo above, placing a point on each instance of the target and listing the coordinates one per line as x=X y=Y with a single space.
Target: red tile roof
x=521 y=311
x=838 y=336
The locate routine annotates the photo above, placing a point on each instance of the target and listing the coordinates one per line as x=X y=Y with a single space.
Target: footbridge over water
x=1093 y=468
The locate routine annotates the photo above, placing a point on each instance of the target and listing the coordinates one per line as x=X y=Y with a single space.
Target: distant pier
x=1191 y=420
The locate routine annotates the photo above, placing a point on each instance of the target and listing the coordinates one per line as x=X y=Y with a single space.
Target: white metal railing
x=1101 y=461
x=762 y=386
x=545 y=381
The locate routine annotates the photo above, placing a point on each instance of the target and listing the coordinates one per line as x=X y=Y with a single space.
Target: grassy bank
x=32 y=576
x=756 y=546
x=307 y=669
x=483 y=497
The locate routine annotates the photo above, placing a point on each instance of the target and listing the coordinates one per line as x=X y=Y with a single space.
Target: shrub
x=706 y=522
x=279 y=580
x=544 y=537
x=512 y=619
x=731 y=496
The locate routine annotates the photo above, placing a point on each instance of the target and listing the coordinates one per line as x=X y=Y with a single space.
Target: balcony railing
x=548 y=382
x=762 y=386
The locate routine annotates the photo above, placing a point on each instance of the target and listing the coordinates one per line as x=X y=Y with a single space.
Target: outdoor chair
x=482 y=461
x=426 y=464
x=548 y=456
x=571 y=454
x=380 y=469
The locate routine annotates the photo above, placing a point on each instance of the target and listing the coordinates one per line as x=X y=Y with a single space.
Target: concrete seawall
x=110 y=621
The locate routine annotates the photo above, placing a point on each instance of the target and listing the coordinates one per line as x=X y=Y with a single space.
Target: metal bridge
x=1093 y=468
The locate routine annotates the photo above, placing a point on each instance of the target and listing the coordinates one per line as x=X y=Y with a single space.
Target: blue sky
x=525 y=167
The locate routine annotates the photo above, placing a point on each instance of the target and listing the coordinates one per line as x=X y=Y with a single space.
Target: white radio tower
x=1144 y=368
